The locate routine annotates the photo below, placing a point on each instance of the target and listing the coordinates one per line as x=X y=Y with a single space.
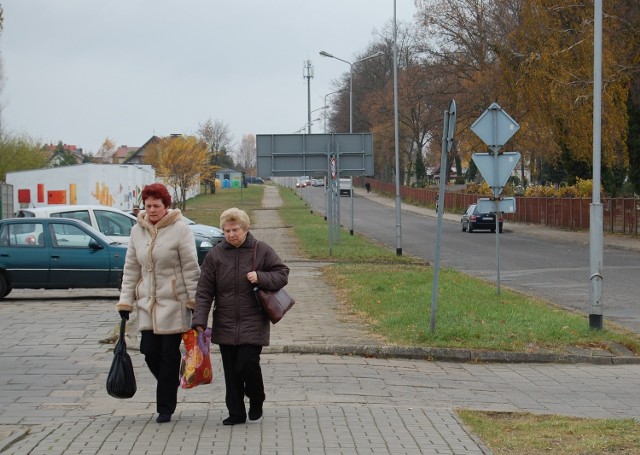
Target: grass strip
x=529 y=434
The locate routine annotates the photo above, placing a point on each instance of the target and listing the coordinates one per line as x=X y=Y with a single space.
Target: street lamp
x=312 y=121
x=326 y=54
x=325 y=107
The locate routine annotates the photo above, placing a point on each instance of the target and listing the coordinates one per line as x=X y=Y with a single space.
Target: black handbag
x=121 y=381
x=274 y=303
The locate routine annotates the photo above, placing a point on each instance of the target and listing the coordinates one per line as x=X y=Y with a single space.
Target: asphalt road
x=551 y=264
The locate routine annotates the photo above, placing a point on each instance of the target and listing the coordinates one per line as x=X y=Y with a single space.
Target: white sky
x=79 y=71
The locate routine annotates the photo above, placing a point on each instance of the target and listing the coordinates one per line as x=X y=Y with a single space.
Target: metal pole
x=595 y=216
x=496 y=193
x=436 y=266
x=351 y=197
x=308 y=74
x=351 y=97
x=396 y=134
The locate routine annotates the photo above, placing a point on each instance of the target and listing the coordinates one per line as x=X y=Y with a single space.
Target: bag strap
x=255 y=252
x=255 y=288
x=123 y=324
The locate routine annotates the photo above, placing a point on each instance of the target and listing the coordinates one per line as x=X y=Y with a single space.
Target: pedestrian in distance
x=368 y=187
x=230 y=272
x=160 y=277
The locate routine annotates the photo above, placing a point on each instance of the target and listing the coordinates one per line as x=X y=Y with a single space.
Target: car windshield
x=187 y=220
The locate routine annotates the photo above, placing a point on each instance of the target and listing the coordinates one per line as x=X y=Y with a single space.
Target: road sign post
x=448 y=132
x=495 y=128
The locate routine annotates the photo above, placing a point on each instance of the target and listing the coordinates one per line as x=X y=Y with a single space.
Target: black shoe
x=255 y=411
x=162 y=418
x=231 y=420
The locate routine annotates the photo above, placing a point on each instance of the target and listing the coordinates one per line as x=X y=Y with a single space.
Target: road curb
x=451 y=355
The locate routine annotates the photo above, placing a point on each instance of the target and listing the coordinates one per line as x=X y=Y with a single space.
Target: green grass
x=396 y=299
x=206 y=208
x=527 y=434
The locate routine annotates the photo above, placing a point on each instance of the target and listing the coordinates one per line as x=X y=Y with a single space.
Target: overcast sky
x=79 y=71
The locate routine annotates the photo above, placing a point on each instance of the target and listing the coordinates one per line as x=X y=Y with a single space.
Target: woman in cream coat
x=160 y=277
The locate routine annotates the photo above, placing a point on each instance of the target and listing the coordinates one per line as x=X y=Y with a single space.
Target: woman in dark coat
x=240 y=326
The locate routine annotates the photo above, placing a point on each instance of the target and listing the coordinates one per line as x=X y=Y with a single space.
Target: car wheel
x=5 y=289
x=470 y=228
x=463 y=228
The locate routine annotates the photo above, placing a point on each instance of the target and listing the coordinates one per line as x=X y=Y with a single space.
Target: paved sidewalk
x=53 y=369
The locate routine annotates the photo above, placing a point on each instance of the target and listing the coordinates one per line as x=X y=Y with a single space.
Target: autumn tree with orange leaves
x=180 y=161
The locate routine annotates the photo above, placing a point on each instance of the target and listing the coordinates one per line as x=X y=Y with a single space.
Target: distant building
x=55 y=156
x=137 y=157
x=123 y=153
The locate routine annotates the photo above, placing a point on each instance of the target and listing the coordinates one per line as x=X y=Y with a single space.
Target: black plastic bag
x=121 y=381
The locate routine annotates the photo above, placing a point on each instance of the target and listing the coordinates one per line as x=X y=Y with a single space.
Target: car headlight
x=206 y=244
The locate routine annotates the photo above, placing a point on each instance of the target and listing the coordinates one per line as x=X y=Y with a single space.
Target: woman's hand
x=252 y=277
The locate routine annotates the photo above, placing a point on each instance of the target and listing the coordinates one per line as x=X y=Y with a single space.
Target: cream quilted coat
x=161 y=274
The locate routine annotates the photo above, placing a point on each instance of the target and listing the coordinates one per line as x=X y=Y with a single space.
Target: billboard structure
x=293 y=155
x=333 y=155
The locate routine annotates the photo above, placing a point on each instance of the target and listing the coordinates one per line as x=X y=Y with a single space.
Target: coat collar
x=249 y=241
x=171 y=217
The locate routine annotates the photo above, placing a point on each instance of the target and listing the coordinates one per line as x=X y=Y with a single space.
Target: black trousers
x=162 y=355
x=242 y=376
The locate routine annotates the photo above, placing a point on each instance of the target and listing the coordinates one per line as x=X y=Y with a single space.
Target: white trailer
x=113 y=185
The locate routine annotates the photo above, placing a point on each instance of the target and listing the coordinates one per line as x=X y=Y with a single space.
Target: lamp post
x=326 y=54
x=312 y=121
x=396 y=132
x=325 y=107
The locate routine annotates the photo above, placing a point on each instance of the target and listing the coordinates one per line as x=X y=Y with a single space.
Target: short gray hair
x=235 y=215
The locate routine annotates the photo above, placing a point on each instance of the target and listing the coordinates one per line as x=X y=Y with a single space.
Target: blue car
x=57 y=253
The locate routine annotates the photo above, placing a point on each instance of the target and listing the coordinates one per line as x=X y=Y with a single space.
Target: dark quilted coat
x=237 y=316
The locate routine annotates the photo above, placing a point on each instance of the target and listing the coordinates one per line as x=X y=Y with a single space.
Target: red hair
x=157 y=191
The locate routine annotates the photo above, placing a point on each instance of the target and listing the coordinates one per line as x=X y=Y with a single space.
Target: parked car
x=473 y=220
x=206 y=237
x=117 y=224
x=57 y=253
x=254 y=180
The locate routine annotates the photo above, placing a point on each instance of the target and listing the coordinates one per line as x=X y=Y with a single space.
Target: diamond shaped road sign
x=495 y=127
x=496 y=176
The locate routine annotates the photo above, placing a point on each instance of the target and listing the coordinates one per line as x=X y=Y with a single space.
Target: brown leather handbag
x=274 y=303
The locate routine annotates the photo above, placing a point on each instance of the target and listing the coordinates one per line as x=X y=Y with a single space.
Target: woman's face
x=234 y=233
x=155 y=209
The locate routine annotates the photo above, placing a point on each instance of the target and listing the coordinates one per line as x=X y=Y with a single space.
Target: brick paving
x=53 y=368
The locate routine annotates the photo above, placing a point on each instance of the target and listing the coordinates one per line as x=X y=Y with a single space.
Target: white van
x=345 y=187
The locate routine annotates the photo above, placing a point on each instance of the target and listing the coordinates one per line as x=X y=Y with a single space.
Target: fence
x=620 y=215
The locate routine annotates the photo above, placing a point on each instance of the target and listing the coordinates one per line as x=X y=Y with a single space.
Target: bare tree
x=247 y=153
x=217 y=137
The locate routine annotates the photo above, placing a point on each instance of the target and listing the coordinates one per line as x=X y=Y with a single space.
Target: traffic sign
x=451 y=129
x=505 y=205
x=495 y=127
x=496 y=176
